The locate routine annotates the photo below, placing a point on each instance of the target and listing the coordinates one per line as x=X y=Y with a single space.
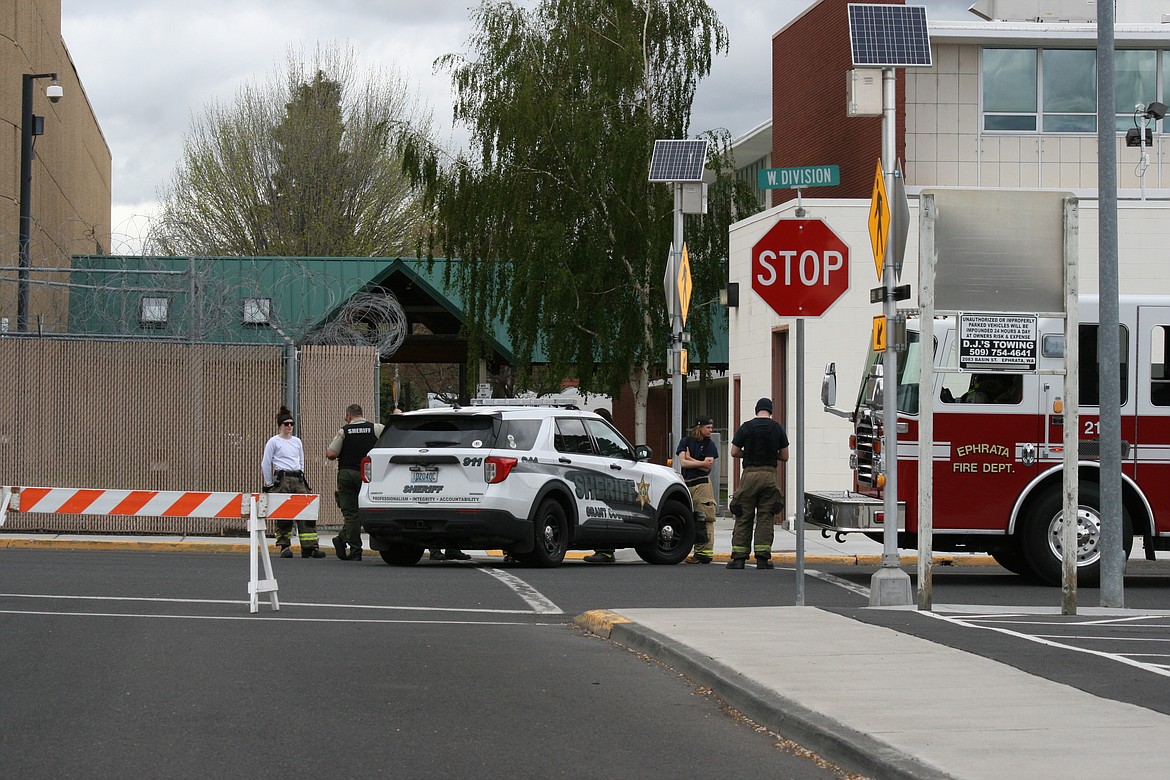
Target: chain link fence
x=166 y=416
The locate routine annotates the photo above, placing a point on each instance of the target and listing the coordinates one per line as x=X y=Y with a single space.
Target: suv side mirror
x=829 y=385
x=642 y=452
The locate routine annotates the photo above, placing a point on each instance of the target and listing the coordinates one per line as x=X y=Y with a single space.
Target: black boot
x=735 y=563
x=339 y=545
x=764 y=563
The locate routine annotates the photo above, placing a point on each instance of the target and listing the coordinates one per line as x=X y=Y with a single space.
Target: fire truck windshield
x=870 y=394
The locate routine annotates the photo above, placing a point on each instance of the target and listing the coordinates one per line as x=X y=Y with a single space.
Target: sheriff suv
x=534 y=482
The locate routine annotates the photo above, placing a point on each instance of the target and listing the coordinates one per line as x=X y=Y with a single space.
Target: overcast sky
x=149 y=65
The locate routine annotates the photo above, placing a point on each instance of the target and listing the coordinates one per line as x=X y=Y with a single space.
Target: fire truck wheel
x=1041 y=539
x=1011 y=557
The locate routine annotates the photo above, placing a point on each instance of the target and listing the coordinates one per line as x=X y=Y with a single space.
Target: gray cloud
x=148 y=66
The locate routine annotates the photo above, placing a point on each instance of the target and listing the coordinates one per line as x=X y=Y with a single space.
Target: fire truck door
x=1148 y=428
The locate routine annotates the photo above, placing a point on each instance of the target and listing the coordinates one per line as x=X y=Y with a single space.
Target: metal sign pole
x=676 y=327
x=800 y=462
x=890 y=586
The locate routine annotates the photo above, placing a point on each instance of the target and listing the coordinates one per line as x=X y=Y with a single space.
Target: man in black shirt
x=352 y=443
x=763 y=444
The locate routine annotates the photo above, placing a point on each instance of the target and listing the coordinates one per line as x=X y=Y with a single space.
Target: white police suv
x=534 y=482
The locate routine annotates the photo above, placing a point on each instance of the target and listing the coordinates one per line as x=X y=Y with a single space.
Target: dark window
x=610 y=443
x=571 y=437
x=1090 y=380
x=469 y=431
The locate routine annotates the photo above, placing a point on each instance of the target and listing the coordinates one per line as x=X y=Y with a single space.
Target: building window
x=1070 y=90
x=1136 y=77
x=154 y=312
x=1055 y=90
x=257 y=311
x=1009 y=89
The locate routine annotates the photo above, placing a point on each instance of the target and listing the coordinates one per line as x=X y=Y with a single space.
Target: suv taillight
x=366 y=469
x=497 y=469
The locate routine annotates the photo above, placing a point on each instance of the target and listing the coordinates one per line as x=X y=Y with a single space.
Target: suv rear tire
x=551 y=530
x=402 y=554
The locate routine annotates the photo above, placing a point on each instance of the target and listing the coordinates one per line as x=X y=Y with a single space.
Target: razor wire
x=207 y=300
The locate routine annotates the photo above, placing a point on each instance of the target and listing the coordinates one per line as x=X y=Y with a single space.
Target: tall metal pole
x=26 y=153
x=890 y=586
x=676 y=327
x=1109 y=339
x=800 y=464
x=27 y=122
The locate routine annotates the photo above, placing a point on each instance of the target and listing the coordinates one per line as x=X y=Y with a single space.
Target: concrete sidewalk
x=889 y=704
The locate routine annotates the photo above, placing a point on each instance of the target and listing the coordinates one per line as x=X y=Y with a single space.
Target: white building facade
x=1006 y=104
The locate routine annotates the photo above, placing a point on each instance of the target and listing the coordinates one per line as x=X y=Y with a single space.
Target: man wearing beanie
x=762 y=444
x=697 y=454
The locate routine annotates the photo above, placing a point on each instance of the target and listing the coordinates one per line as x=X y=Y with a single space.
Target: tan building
x=70 y=196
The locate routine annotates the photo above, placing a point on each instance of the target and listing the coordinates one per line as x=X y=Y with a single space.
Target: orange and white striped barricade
x=174 y=503
x=278 y=506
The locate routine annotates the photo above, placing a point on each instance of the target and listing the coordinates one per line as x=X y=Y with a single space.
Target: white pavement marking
x=846 y=584
x=534 y=598
x=267 y=618
x=1039 y=640
x=287 y=604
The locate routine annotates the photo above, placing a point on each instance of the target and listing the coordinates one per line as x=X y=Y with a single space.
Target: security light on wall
x=1156 y=110
x=1133 y=137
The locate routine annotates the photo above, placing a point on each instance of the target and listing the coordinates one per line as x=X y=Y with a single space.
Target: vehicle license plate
x=430 y=476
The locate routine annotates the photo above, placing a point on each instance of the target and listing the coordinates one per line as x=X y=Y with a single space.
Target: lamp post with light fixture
x=30 y=126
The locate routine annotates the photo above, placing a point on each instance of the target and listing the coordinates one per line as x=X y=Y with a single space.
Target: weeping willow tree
x=561 y=236
x=302 y=165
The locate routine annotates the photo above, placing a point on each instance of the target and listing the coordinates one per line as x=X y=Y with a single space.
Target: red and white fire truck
x=998 y=455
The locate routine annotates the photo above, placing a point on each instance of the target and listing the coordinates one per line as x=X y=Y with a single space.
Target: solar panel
x=889 y=36
x=678 y=160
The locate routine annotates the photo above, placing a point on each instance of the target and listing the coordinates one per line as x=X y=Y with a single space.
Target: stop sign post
x=800 y=267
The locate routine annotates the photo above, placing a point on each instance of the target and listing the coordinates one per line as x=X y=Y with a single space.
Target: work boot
x=355 y=553
x=437 y=555
x=764 y=563
x=599 y=557
x=735 y=563
x=457 y=555
x=693 y=559
x=285 y=552
x=339 y=545
x=312 y=552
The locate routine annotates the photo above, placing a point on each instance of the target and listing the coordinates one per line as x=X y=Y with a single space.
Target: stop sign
x=800 y=267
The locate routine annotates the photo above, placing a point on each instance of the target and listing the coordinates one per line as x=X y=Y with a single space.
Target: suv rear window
x=465 y=431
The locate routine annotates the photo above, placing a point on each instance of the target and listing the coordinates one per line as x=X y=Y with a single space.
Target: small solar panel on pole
x=674 y=162
x=888 y=37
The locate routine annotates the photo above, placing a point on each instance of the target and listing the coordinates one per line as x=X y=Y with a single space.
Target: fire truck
x=997 y=452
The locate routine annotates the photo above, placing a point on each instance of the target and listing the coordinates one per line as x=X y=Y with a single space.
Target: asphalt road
x=138 y=664
x=149 y=664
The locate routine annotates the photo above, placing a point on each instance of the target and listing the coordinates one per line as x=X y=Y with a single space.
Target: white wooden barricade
x=176 y=503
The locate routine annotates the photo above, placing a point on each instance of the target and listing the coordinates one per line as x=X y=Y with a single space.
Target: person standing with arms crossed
x=697 y=453
x=283 y=468
x=353 y=441
x=763 y=444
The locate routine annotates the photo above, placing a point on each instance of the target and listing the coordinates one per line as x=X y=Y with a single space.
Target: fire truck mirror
x=829 y=385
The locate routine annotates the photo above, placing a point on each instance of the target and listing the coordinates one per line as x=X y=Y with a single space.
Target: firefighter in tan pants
x=697 y=454
x=763 y=444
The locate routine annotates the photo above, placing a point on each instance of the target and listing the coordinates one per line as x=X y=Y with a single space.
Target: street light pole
x=27 y=130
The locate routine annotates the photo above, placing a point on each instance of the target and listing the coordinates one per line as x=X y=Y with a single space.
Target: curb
x=826 y=737
x=136 y=545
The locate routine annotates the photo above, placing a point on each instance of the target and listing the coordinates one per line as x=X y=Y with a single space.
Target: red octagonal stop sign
x=800 y=267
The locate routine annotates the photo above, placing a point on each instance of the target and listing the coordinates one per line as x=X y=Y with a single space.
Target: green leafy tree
x=560 y=233
x=302 y=165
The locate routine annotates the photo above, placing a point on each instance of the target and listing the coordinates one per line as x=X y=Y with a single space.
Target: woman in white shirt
x=283 y=469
